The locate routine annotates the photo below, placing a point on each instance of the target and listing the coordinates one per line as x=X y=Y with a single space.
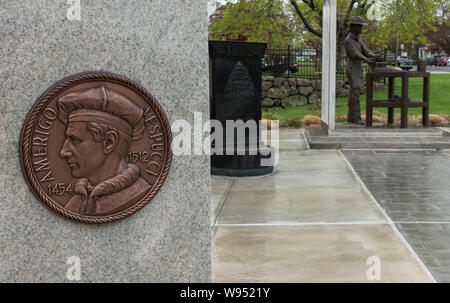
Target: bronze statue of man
x=356 y=52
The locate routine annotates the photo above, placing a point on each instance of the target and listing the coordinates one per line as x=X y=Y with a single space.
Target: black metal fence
x=299 y=63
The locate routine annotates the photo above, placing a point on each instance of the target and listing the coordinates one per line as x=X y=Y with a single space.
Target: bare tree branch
x=310 y=3
x=314 y=7
x=349 y=10
x=305 y=22
x=342 y=27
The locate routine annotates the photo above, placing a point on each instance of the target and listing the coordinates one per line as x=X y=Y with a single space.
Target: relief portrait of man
x=100 y=127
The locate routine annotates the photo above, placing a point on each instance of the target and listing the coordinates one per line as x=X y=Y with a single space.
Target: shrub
x=269 y=116
x=312 y=120
x=437 y=120
x=294 y=122
x=375 y=118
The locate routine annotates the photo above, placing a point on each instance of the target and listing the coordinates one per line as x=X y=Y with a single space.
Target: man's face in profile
x=356 y=29
x=83 y=155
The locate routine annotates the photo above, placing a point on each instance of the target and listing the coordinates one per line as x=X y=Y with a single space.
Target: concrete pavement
x=312 y=220
x=413 y=187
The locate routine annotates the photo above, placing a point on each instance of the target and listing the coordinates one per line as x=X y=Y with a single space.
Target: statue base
x=245 y=162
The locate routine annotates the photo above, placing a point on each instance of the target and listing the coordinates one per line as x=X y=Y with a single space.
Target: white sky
x=211 y=8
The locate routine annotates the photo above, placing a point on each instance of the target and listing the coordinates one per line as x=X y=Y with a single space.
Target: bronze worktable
x=403 y=102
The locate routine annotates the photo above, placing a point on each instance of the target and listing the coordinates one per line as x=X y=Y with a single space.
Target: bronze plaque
x=96 y=147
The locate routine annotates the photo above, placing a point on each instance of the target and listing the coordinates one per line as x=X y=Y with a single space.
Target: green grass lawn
x=439 y=100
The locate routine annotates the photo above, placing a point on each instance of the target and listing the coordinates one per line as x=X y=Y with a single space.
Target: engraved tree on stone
x=239 y=89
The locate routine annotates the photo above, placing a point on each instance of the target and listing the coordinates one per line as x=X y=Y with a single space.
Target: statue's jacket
x=357 y=51
x=110 y=196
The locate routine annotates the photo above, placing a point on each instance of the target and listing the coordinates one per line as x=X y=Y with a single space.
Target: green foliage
x=270 y=116
x=299 y=22
x=405 y=20
x=309 y=15
x=253 y=21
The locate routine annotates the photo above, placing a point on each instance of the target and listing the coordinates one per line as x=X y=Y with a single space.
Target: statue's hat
x=357 y=20
x=102 y=105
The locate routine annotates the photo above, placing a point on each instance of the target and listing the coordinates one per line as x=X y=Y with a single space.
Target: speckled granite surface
x=163 y=46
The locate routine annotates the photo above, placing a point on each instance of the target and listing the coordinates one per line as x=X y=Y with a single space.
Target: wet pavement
x=312 y=220
x=310 y=253
x=413 y=188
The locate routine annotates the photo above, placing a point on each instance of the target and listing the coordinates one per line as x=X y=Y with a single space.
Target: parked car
x=305 y=59
x=434 y=60
x=443 y=61
x=264 y=65
x=390 y=58
x=403 y=60
x=293 y=68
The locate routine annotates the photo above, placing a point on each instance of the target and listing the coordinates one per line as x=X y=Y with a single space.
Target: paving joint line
x=328 y=223
x=422 y=222
x=223 y=204
x=391 y=223
x=301 y=224
x=391 y=149
x=306 y=140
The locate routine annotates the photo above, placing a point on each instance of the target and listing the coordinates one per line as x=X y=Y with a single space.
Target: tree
x=254 y=21
x=310 y=13
x=404 y=20
x=439 y=39
x=407 y=21
x=281 y=22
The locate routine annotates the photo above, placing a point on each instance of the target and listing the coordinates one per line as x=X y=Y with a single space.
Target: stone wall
x=291 y=92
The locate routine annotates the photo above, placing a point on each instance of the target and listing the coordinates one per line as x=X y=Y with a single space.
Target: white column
x=329 y=63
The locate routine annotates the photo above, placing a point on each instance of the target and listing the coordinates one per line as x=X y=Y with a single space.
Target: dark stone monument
x=235 y=94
